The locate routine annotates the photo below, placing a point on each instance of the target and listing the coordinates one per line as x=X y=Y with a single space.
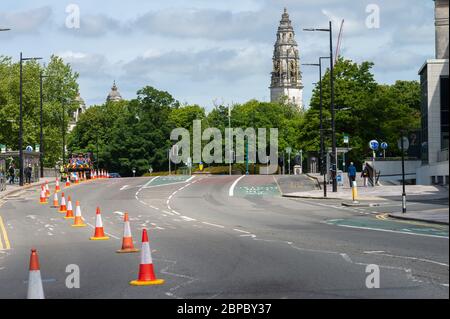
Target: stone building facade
x=286 y=78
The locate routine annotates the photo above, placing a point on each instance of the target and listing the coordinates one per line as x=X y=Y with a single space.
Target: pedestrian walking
x=351 y=173
x=28 y=172
x=11 y=172
x=365 y=174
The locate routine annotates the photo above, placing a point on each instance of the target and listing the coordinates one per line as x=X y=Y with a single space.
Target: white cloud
x=25 y=22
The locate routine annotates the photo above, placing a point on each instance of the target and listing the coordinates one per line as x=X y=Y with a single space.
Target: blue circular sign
x=29 y=149
x=373 y=144
x=384 y=145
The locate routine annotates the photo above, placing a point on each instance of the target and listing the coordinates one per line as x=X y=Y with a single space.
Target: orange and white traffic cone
x=99 y=233
x=67 y=181
x=47 y=190
x=62 y=206
x=127 y=241
x=35 y=289
x=57 y=188
x=78 y=222
x=43 y=198
x=69 y=213
x=146 y=275
x=55 y=201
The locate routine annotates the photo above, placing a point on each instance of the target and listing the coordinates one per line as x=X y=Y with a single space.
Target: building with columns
x=434 y=82
x=286 y=78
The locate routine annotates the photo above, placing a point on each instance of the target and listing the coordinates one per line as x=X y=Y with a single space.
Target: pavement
x=222 y=237
x=371 y=196
x=14 y=188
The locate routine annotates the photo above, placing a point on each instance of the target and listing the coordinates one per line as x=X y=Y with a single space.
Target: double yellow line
x=5 y=236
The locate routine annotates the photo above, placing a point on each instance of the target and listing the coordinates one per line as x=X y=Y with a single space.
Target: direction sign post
x=403 y=145
x=384 y=146
x=373 y=144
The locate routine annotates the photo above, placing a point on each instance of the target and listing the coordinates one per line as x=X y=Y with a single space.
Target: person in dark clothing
x=11 y=171
x=351 y=173
x=365 y=174
x=28 y=172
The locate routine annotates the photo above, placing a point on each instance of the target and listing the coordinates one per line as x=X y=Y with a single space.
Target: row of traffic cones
x=146 y=274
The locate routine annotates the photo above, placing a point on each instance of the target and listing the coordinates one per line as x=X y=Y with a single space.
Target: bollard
x=354 y=192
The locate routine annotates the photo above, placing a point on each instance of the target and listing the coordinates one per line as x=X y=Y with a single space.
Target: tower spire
x=286 y=81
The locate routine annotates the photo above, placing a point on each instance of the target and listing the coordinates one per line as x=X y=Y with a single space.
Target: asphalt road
x=220 y=237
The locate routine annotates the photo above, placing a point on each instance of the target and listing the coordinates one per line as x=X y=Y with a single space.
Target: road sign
x=405 y=143
x=346 y=139
x=37 y=148
x=384 y=145
x=2 y=148
x=373 y=144
x=29 y=148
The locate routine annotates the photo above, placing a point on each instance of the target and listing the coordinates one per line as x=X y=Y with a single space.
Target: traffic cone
x=57 y=188
x=55 y=201
x=43 y=198
x=35 y=289
x=69 y=213
x=99 y=232
x=127 y=241
x=47 y=190
x=68 y=181
x=146 y=275
x=78 y=222
x=76 y=179
x=62 y=206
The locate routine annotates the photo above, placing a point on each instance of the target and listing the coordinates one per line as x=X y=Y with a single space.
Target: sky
x=212 y=52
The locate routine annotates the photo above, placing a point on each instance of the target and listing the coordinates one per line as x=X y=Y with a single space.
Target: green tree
x=60 y=85
x=364 y=110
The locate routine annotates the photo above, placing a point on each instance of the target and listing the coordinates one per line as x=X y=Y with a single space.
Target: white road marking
x=406 y=257
x=215 y=225
x=241 y=231
x=231 y=190
x=189 y=219
x=123 y=187
x=394 y=231
x=118 y=213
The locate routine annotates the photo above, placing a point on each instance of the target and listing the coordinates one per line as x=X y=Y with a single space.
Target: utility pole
x=333 y=121
x=333 y=126
x=41 y=136
x=229 y=137
x=21 y=116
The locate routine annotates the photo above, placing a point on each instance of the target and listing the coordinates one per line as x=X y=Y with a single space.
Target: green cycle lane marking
x=391 y=226
x=260 y=190
x=166 y=180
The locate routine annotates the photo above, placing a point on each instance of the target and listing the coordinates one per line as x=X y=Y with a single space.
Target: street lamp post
x=333 y=126
x=21 y=117
x=41 y=135
x=322 y=141
x=229 y=136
